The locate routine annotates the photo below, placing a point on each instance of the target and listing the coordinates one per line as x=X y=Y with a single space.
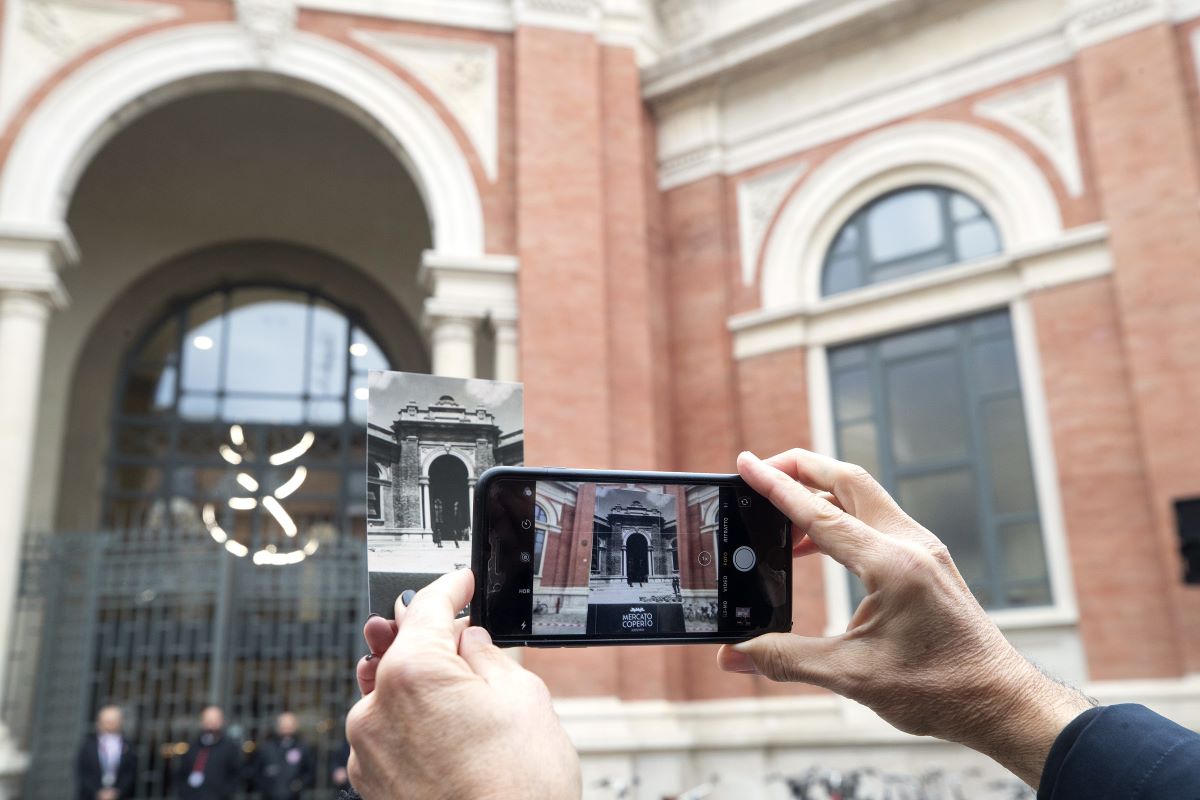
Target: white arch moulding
x=467 y=459
x=964 y=157
x=100 y=98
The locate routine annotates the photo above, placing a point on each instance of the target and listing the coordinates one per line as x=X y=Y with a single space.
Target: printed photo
x=429 y=438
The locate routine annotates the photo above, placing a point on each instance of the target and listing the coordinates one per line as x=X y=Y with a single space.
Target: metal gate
x=164 y=622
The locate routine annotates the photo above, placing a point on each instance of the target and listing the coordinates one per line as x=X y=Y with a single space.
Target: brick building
x=955 y=241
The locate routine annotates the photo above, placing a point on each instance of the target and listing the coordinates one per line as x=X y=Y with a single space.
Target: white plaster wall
x=213 y=168
x=940 y=35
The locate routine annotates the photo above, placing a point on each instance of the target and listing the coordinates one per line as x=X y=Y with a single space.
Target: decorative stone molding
x=77 y=118
x=268 y=22
x=1042 y=114
x=1096 y=21
x=758 y=201
x=31 y=258
x=461 y=74
x=573 y=15
x=47 y=34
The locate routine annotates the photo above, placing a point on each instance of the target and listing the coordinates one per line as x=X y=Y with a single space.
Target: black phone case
x=481 y=551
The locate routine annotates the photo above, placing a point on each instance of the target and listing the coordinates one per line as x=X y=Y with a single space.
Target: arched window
x=243 y=409
x=908 y=231
x=936 y=413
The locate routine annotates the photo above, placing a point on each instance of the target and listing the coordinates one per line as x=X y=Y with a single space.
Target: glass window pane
x=996 y=366
x=1008 y=455
x=326 y=412
x=198 y=406
x=203 y=344
x=911 y=266
x=358 y=397
x=858 y=444
x=1024 y=562
x=327 y=362
x=268 y=332
x=276 y=410
x=847 y=240
x=366 y=353
x=842 y=274
x=994 y=324
x=162 y=344
x=148 y=389
x=941 y=337
x=976 y=239
x=928 y=410
x=851 y=394
x=964 y=208
x=905 y=224
x=947 y=504
x=848 y=356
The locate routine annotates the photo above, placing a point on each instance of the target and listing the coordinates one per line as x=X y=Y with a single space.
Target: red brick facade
x=626 y=292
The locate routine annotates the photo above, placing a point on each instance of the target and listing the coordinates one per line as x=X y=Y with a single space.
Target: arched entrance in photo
x=637 y=559
x=449 y=501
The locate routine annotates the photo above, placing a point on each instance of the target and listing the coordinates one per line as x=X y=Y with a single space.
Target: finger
x=365 y=671
x=484 y=658
x=838 y=534
x=429 y=621
x=785 y=657
x=805 y=547
x=858 y=492
x=379 y=634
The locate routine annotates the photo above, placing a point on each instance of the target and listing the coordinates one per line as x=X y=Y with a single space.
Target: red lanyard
x=201 y=761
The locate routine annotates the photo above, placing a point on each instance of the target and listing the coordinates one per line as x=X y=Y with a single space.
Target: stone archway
x=449 y=501
x=637 y=559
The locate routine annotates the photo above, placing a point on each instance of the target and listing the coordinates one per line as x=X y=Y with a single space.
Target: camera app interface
x=602 y=560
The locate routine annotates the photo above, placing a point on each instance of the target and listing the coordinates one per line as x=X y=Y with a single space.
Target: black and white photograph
x=429 y=438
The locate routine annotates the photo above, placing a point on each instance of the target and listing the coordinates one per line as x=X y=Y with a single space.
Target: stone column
x=453 y=340
x=29 y=291
x=507 y=352
x=426 y=522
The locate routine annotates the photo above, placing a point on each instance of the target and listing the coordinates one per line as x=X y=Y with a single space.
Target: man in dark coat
x=211 y=769
x=286 y=765
x=106 y=764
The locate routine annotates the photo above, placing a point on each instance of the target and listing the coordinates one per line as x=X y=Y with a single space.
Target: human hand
x=107 y=794
x=919 y=650
x=445 y=714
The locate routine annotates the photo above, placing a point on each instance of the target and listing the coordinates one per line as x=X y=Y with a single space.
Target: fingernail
x=373 y=614
x=737 y=661
x=407 y=596
x=369 y=657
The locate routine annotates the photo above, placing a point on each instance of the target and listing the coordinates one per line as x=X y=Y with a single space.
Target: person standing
x=286 y=765
x=438 y=521
x=106 y=765
x=211 y=769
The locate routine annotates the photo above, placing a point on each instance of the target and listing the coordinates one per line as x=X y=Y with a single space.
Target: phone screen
x=573 y=561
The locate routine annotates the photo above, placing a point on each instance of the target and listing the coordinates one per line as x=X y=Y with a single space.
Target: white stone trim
x=461 y=74
x=487 y=15
x=759 y=199
x=1042 y=114
x=31 y=258
x=1101 y=20
x=1081 y=254
x=94 y=102
x=608 y=725
x=470 y=287
x=581 y=16
x=989 y=168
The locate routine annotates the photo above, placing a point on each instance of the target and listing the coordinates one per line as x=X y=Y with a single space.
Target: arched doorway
x=449 y=501
x=637 y=559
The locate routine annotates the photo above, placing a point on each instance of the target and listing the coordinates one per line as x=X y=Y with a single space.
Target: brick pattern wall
x=1145 y=149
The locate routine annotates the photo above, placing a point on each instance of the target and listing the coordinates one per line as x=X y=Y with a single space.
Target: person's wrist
x=1025 y=712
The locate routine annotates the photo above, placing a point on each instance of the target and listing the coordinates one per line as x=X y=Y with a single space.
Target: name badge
x=293 y=755
x=196 y=780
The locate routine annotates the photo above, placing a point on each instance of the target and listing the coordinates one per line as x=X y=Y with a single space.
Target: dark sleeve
x=88 y=780
x=1124 y=752
x=127 y=771
x=308 y=767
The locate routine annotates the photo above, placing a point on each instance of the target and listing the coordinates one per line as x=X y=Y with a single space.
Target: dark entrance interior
x=637 y=558
x=449 y=508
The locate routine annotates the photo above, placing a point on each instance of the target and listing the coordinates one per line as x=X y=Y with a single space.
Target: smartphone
x=571 y=558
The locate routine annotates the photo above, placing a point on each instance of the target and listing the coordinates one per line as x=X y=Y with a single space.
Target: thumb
x=785 y=657
x=484 y=658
